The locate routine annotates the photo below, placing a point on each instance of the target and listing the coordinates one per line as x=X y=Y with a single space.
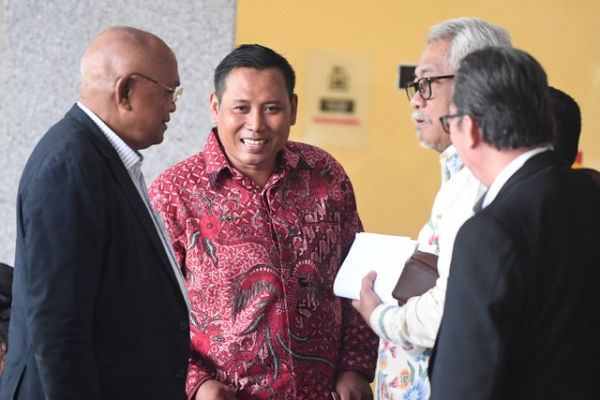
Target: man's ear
x=294 y=106
x=122 y=92
x=214 y=107
x=474 y=134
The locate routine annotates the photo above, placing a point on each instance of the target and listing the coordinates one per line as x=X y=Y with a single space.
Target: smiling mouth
x=253 y=142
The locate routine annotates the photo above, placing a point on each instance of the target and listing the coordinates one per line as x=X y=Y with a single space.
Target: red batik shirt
x=259 y=265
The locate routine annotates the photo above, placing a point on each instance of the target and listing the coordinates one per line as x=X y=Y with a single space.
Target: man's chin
x=424 y=143
x=429 y=144
x=158 y=139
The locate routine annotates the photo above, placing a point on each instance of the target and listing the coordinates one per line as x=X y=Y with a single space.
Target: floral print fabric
x=400 y=375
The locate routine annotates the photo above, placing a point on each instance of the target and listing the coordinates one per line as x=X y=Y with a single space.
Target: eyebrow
x=425 y=70
x=265 y=102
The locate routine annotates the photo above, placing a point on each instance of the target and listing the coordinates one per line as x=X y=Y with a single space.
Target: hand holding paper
x=368 y=298
x=385 y=254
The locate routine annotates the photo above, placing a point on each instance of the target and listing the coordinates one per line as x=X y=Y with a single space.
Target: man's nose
x=255 y=120
x=417 y=101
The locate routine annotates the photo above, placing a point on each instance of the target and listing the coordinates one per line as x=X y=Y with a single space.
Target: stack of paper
x=385 y=254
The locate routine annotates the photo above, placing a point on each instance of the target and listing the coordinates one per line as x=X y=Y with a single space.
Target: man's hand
x=368 y=299
x=351 y=385
x=214 y=390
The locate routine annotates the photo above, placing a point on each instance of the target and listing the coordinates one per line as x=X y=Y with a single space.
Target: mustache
x=416 y=115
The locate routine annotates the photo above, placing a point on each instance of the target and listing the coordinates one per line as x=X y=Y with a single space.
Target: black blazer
x=522 y=312
x=97 y=312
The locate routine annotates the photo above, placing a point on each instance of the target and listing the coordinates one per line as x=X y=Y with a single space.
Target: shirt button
x=184 y=326
x=180 y=373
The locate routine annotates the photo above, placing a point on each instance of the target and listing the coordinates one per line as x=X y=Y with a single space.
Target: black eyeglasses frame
x=445 y=121
x=423 y=86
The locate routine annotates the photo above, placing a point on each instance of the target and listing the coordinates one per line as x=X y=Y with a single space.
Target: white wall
x=41 y=46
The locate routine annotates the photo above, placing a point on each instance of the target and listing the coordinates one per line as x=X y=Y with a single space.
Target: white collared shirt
x=509 y=171
x=419 y=319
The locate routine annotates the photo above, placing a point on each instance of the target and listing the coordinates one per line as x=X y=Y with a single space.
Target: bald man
x=100 y=309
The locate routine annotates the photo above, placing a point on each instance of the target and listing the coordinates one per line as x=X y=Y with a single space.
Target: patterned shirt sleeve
x=358 y=350
x=165 y=198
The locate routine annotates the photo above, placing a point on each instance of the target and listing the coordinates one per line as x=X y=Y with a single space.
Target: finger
x=367 y=282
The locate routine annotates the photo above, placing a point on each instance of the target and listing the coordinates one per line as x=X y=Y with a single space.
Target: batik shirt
x=408 y=332
x=259 y=264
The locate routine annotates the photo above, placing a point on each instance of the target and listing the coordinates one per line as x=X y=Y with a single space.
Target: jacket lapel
x=127 y=186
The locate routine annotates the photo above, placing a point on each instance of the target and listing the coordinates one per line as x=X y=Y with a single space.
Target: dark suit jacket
x=522 y=312
x=6 y=278
x=97 y=312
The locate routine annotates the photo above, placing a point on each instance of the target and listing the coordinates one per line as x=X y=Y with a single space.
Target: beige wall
x=395 y=180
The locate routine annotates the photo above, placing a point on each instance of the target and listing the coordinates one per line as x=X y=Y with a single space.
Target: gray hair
x=506 y=91
x=467 y=35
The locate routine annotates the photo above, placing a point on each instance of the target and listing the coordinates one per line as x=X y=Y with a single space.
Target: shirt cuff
x=377 y=320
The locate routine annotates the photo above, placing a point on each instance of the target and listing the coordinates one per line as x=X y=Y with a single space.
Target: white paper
x=385 y=254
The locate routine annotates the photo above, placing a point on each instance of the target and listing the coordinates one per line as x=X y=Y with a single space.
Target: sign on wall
x=406 y=74
x=338 y=99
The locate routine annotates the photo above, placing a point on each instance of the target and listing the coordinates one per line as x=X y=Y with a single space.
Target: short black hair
x=257 y=57
x=566 y=117
x=506 y=91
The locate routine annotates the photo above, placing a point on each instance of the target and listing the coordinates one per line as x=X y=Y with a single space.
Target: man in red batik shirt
x=260 y=227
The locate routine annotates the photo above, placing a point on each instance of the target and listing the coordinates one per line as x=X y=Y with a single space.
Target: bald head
x=116 y=52
x=113 y=84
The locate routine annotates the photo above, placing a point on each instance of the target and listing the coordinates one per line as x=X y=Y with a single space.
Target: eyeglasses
x=423 y=86
x=175 y=93
x=445 y=120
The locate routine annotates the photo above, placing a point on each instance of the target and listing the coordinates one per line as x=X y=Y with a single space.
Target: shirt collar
x=450 y=162
x=509 y=171
x=128 y=156
x=214 y=157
